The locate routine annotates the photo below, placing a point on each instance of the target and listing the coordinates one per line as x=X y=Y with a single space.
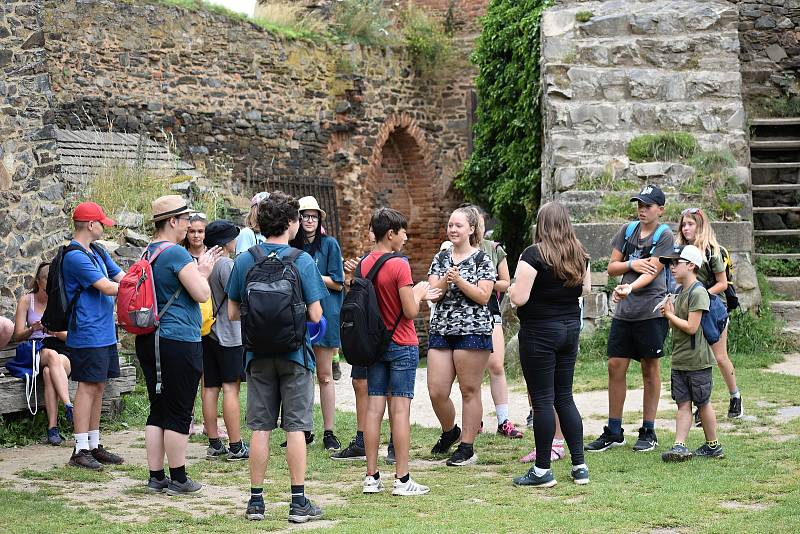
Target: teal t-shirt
x=313 y=290
x=181 y=321
x=329 y=262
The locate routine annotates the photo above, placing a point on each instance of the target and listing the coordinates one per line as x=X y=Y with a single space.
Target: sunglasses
x=676 y=261
x=691 y=210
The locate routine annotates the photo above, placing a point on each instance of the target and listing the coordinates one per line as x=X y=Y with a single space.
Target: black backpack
x=57 y=316
x=364 y=336
x=273 y=311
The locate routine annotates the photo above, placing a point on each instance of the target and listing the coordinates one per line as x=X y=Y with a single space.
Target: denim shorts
x=467 y=342
x=396 y=373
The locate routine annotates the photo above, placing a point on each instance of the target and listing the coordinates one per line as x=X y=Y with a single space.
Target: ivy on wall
x=503 y=172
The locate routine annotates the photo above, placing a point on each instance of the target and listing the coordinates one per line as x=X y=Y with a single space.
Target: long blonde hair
x=559 y=246
x=251 y=221
x=704 y=236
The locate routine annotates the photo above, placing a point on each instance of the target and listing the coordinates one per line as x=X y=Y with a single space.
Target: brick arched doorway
x=401 y=177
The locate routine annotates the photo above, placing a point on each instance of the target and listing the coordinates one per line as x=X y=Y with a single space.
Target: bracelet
x=630 y=264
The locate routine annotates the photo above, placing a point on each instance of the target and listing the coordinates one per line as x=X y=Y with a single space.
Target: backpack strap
x=257 y=252
x=628 y=233
x=72 y=303
x=378 y=264
x=691 y=290
x=664 y=227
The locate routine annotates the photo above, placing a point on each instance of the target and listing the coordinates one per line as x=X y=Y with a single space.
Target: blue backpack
x=25 y=365
x=714 y=318
x=672 y=285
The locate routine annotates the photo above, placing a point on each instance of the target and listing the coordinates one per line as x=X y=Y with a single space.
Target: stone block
x=607 y=26
x=110 y=246
x=599 y=279
x=556 y=22
x=776 y=53
x=135 y=238
x=129 y=219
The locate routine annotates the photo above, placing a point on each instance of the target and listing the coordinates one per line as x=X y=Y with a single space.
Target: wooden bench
x=12 y=390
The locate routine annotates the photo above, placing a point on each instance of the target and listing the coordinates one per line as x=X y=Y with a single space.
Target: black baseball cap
x=650 y=194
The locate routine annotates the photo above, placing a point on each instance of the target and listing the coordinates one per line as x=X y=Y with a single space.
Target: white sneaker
x=409 y=488
x=372 y=484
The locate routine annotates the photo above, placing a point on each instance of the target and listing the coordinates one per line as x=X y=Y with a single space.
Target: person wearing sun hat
x=91 y=278
x=223 y=354
x=178 y=349
x=250 y=235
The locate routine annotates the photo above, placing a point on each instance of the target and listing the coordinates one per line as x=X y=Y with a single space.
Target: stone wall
x=288 y=113
x=32 y=221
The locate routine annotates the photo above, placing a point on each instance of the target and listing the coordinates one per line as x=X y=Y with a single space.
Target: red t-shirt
x=394 y=274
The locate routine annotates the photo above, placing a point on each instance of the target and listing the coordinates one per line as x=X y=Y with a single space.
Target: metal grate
x=321 y=189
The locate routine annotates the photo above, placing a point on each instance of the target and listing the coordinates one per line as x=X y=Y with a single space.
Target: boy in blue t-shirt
x=280 y=383
x=92 y=335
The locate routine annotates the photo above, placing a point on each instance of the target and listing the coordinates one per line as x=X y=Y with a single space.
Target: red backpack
x=137 y=307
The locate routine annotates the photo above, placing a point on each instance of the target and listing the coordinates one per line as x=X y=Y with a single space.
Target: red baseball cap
x=89 y=211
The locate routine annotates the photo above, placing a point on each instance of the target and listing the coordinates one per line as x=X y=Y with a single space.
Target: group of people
x=466 y=279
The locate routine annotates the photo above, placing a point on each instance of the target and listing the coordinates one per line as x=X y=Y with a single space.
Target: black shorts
x=221 y=365
x=53 y=343
x=181 y=367
x=637 y=339
x=96 y=364
x=358 y=372
x=692 y=386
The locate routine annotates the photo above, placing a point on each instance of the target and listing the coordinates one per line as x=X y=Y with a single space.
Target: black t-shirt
x=550 y=299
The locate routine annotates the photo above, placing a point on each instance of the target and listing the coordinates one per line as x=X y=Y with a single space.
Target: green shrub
x=666 y=146
x=426 y=39
x=775 y=267
x=291 y=21
x=599 y=265
x=583 y=16
x=605 y=181
x=364 y=22
x=712 y=161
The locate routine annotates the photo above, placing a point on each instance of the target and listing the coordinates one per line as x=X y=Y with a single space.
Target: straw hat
x=310 y=203
x=169 y=206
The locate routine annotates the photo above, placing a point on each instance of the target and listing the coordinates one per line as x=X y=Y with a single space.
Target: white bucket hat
x=310 y=203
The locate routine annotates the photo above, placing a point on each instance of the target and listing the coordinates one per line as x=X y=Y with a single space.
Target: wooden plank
x=775 y=209
x=779 y=256
x=775 y=187
x=775 y=121
x=788 y=231
x=775 y=165
x=777 y=143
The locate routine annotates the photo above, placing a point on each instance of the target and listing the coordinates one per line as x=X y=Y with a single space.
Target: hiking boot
x=462 y=456
x=158 y=486
x=330 y=441
x=68 y=413
x=337 y=371
x=408 y=489
x=242 y=454
x=54 y=437
x=255 y=509
x=83 y=458
x=214 y=453
x=557 y=452
x=371 y=484
x=104 y=456
x=735 y=410
x=606 y=440
x=508 y=430
x=390 y=459
x=678 y=453
x=183 y=488
x=351 y=452
x=704 y=451
x=308 y=512
x=530 y=478
x=579 y=475
x=697 y=422
x=443 y=445
x=309 y=439
x=647 y=440
x=529 y=420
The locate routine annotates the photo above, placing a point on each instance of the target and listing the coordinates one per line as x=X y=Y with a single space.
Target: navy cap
x=650 y=194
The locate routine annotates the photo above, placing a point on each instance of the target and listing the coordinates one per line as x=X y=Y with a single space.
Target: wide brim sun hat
x=310 y=203
x=169 y=206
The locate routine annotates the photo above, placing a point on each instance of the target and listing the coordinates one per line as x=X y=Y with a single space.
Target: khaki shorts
x=278 y=386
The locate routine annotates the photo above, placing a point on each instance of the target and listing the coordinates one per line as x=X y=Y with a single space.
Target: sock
x=466 y=447
x=81 y=441
x=328 y=433
x=359 y=439
x=257 y=494
x=94 y=439
x=579 y=466
x=682 y=444
x=502 y=413
x=178 y=474
x=539 y=472
x=648 y=425
x=376 y=475
x=615 y=425
x=215 y=443
x=735 y=394
x=713 y=444
x=235 y=446
x=158 y=475
x=405 y=478
x=299 y=494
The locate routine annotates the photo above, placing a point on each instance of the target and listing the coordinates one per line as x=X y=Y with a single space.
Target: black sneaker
x=158 y=486
x=83 y=458
x=104 y=456
x=351 y=452
x=216 y=453
x=308 y=512
x=697 y=422
x=647 y=440
x=735 y=410
x=443 y=445
x=390 y=459
x=678 y=453
x=606 y=441
x=183 y=488
x=255 y=509
x=309 y=439
x=462 y=456
x=330 y=441
x=704 y=451
x=530 y=478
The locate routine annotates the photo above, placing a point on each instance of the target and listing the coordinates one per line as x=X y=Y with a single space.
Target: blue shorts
x=396 y=373
x=94 y=364
x=358 y=372
x=467 y=342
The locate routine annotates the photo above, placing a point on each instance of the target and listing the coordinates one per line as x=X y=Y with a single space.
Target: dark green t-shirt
x=684 y=357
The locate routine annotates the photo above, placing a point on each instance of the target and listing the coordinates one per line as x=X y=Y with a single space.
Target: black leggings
x=547 y=353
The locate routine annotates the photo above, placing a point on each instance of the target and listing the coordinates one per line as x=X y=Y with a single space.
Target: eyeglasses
x=691 y=210
x=676 y=261
x=187 y=218
x=309 y=218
